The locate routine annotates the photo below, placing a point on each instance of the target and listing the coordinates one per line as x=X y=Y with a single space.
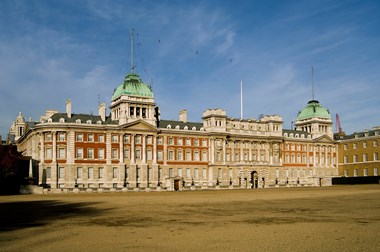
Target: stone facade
x=133 y=149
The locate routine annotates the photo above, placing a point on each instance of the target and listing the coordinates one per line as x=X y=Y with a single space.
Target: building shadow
x=19 y=215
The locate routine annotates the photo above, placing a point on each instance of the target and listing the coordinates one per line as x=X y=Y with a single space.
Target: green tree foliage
x=11 y=176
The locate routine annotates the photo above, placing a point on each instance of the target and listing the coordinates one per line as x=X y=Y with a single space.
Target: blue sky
x=194 y=54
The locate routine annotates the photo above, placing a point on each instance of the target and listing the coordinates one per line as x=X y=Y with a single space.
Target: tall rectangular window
x=196 y=155
x=230 y=173
x=204 y=142
x=355 y=158
x=90 y=137
x=100 y=172
x=188 y=155
x=79 y=153
x=61 y=172
x=138 y=154
x=375 y=172
x=355 y=172
x=79 y=137
x=127 y=138
x=204 y=156
x=114 y=153
x=219 y=172
x=101 y=153
x=48 y=154
x=196 y=173
x=170 y=172
x=149 y=154
x=159 y=155
x=48 y=172
x=204 y=173
x=61 y=137
x=114 y=138
x=179 y=155
x=170 y=141
x=188 y=173
x=90 y=153
x=79 y=172
x=375 y=156
x=90 y=172
x=345 y=159
x=114 y=172
x=101 y=138
x=61 y=153
x=179 y=172
x=138 y=139
x=365 y=172
x=171 y=155
x=149 y=140
x=375 y=143
x=364 y=157
x=126 y=154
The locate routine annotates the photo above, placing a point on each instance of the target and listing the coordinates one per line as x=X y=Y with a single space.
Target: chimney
x=102 y=111
x=68 y=108
x=183 y=115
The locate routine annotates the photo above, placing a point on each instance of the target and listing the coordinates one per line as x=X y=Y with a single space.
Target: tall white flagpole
x=241 y=99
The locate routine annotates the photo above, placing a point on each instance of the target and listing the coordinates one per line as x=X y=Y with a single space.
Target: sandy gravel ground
x=338 y=218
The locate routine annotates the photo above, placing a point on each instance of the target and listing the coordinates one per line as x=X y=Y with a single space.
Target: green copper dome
x=133 y=86
x=313 y=109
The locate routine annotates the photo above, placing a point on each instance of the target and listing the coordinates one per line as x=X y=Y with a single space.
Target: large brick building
x=132 y=148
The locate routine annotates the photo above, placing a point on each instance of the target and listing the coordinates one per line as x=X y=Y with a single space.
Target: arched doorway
x=254 y=179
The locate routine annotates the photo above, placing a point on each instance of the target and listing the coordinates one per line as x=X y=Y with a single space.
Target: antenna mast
x=312 y=82
x=132 y=50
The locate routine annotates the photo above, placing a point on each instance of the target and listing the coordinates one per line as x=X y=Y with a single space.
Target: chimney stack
x=102 y=111
x=183 y=115
x=68 y=108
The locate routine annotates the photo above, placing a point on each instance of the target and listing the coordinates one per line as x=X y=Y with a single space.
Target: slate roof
x=182 y=125
x=83 y=117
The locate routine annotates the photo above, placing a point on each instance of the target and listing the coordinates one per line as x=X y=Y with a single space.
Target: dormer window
x=169 y=126
x=185 y=128
x=78 y=121
x=89 y=122
x=62 y=120
x=177 y=127
x=194 y=128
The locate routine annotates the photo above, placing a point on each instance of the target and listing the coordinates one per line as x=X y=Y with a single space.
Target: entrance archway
x=176 y=184
x=254 y=179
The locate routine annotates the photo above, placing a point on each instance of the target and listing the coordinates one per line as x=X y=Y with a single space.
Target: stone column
x=241 y=152
x=154 y=149
x=121 y=148
x=224 y=151
x=212 y=152
x=250 y=152
x=143 y=149
x=165 y=150
x=133 y=161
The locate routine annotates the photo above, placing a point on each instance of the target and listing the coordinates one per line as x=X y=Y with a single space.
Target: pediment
x=139 y=125
x=324 y=139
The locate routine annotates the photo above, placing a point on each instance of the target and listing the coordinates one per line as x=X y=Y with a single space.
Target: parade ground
x=337 y=218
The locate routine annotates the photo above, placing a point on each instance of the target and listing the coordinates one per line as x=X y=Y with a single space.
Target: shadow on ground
x=18 y=215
